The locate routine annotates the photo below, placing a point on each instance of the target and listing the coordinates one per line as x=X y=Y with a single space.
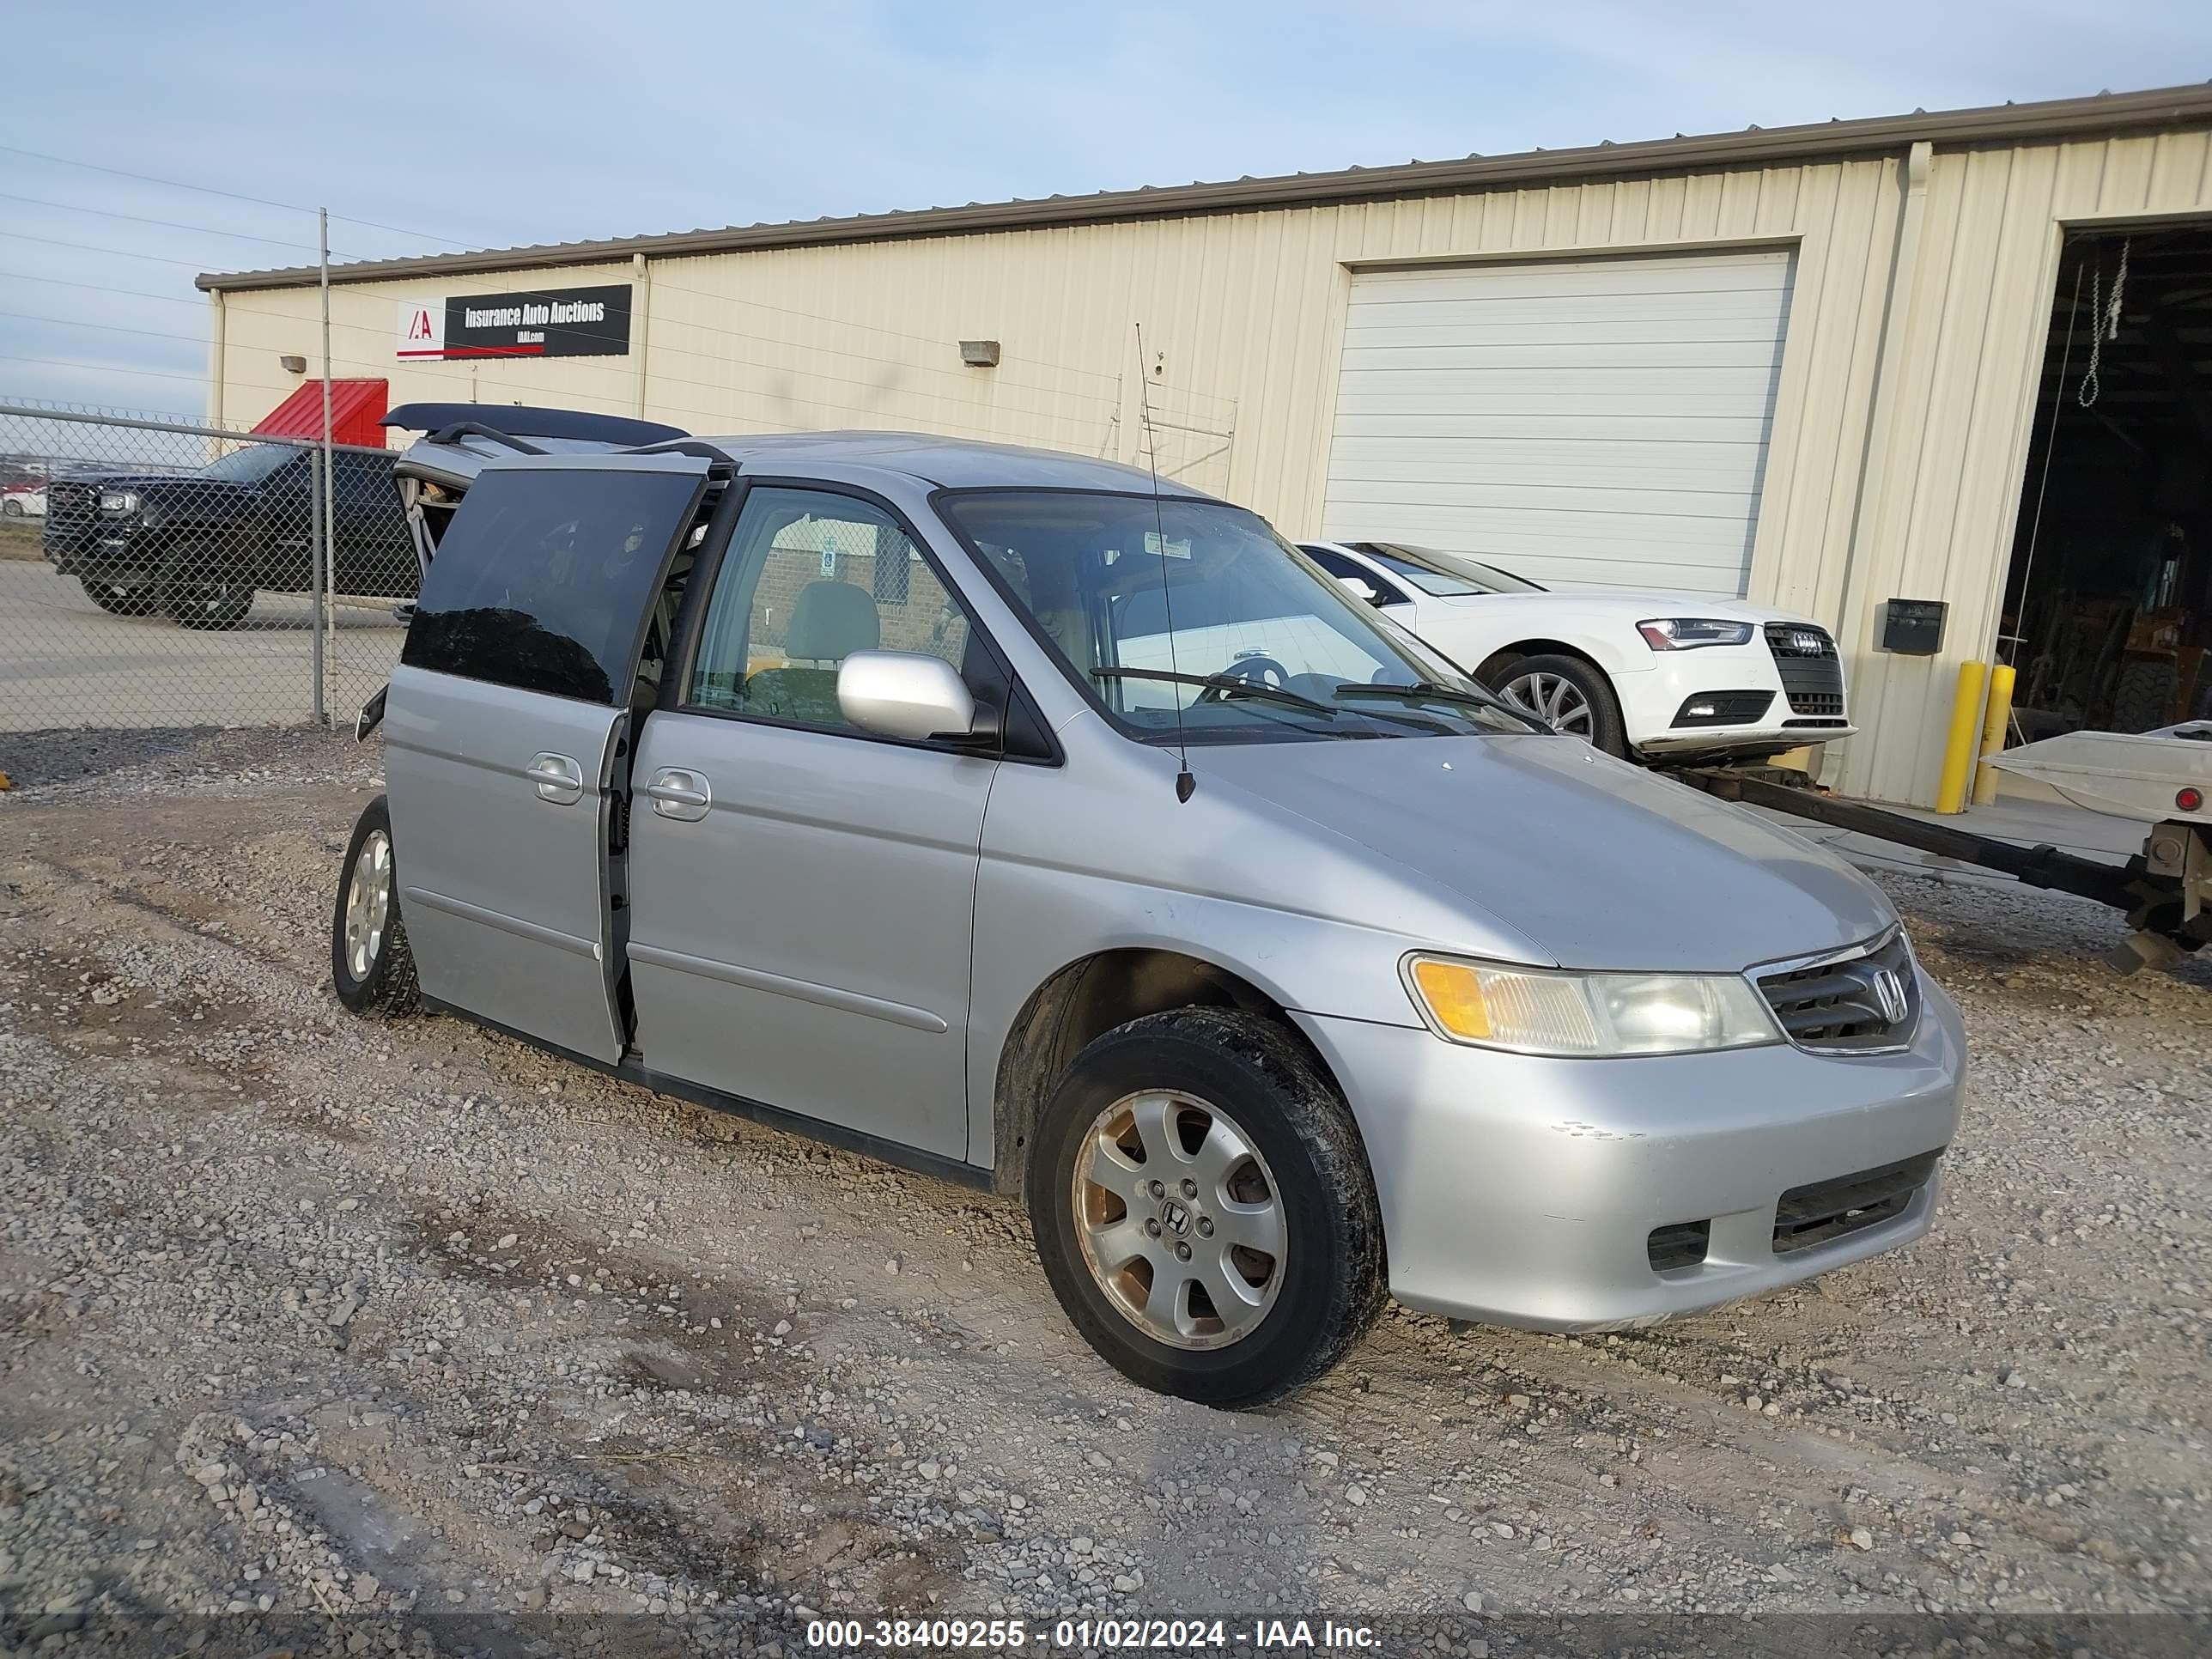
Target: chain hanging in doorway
x=2107 y=315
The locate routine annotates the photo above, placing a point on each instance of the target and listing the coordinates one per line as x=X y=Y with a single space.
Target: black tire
x=12 y=508
x=203 y=587
x=1606 y=730
x=2143 y=697
x=138 y=600
x=1332 y=1268
x=385 y=987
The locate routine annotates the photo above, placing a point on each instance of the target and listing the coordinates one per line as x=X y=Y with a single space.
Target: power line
x=173 y=224
x=240 y=309
x=228 y=195
x=165 y=224
x=953 y=429
x=147 y=179
x=112 y=328
x=113 y=253
x=813 y=376
x=103 y=369
x=198 y=304
x=771 y=340
x=658 y=284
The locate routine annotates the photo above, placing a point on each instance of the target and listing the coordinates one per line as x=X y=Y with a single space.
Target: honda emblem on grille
x=1889 y=995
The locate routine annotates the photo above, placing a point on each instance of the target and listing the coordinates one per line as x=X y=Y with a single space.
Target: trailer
x=2162 y=779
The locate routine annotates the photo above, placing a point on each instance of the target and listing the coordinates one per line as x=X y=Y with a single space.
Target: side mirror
x=906 y=694
x=1359 y=589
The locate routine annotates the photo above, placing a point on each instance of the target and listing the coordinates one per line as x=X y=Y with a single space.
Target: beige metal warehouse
x=1800 y=364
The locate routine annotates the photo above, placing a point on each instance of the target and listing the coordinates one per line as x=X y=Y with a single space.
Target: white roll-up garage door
x=1587 y=423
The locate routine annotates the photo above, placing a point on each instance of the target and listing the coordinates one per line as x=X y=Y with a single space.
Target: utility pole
x=325 y=541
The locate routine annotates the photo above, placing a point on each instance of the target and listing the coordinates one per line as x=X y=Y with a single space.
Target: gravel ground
x=306 y=1318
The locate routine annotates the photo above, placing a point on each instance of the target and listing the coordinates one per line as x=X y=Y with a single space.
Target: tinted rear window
x=544 y=581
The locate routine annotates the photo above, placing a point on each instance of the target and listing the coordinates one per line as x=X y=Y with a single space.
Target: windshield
x=1198 y=609
x=251 y=464
x=1447 y=576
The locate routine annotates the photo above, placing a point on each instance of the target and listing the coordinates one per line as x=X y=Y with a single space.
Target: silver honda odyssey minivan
x=1014 y=818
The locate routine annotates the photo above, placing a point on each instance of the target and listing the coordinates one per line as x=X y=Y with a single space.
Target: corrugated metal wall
x=1896 y=451
x=1946 y=458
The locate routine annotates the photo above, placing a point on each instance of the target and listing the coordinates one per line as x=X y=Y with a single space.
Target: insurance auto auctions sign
x=565 y=322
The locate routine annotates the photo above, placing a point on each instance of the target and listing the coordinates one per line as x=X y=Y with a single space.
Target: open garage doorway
x=2107 y=610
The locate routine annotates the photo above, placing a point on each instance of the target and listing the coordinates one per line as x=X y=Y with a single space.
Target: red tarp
x=356 y=406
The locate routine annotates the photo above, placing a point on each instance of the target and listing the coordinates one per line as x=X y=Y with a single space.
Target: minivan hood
x=1601 y=864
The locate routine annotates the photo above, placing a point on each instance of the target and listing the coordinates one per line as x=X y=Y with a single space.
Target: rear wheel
x=1203 y=1207
x=2144 y=695
x=121 y=599
x=203 y=587
x=372 y=967
x=1567 y=694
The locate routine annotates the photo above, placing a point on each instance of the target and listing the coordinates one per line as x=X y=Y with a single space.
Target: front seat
x=829 y=622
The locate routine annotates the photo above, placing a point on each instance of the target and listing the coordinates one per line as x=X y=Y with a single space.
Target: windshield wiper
x=1429 y=691
x=1229 y=685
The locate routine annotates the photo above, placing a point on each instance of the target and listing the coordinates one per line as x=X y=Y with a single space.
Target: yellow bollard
x=1994 y=724
x=1959 y=748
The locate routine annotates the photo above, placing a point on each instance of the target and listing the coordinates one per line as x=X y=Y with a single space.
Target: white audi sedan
x=1655 y=676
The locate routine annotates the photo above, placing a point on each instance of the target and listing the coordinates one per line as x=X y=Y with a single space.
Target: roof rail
x=698 y=446
x=446 y=434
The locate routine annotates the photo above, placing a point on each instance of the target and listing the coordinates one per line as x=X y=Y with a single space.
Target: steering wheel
x=1261 y=671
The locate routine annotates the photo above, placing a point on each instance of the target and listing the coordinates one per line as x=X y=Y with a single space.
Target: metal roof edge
x=2109 y=113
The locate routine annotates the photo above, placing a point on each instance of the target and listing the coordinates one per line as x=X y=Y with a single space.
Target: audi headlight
x=1688 y=633
x=1545 y=1010
x=118 y=501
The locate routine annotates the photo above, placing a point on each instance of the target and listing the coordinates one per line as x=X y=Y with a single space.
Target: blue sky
x=495 y=124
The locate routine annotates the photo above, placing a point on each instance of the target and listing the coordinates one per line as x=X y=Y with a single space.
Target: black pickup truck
x=197 y=546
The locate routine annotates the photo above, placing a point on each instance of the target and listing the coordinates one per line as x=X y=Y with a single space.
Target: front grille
x=1870 y=1000
x=72 y=526
x=1680 y=1244
x=1818 y=705
x=72 y=505
x=1726 y=708
x=1821 y=725
x=1825 y=1210
x=1812 y=673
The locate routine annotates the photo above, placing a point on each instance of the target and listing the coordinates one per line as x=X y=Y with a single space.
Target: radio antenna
x=1184 y=782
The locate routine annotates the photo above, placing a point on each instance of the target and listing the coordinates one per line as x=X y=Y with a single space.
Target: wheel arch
x=1088 y=997
x=1505 y=656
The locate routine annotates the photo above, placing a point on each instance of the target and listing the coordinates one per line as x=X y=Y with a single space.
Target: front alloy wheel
x=1568 y=694
x=1203 y=1207
x=1554 y=699
x=1179 y=1220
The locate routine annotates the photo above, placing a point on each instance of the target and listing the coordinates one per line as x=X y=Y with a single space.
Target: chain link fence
x=161 y=573
x=157 y=573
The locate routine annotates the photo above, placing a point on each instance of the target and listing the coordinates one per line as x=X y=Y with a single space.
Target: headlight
x=1542 y=1011
x=118 y=501
x=1688 y=633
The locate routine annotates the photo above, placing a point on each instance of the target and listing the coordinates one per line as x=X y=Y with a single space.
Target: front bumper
x=1655 y=701
x=1525 y=1191
x=101 y=551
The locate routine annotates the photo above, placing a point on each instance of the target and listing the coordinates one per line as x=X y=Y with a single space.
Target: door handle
x=558 y=779
x=678 y=794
